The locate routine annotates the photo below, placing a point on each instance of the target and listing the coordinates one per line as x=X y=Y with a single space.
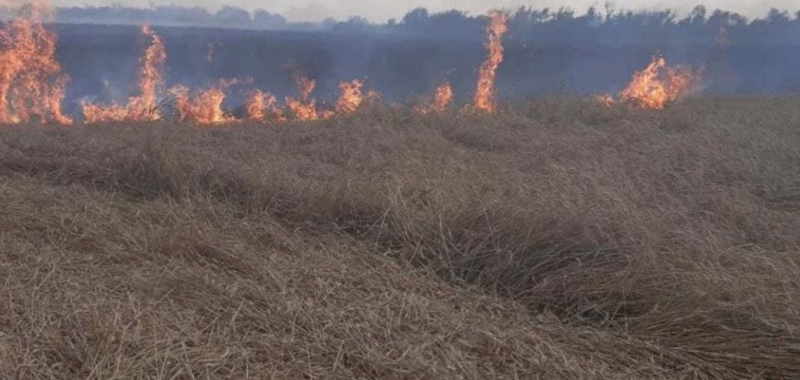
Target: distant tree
x=329 y=23
x=183 y=15
x=778 y=17
x=352 y=25
x=233 y=16
x=591 y=18
x=416 y=18
x=266 y=20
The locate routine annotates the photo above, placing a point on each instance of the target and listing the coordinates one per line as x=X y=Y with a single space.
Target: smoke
x=544 y=51
x=383 y=10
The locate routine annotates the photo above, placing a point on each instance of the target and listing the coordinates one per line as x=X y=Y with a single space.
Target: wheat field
x=555 y=239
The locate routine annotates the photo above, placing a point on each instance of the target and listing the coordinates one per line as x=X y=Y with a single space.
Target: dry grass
x=555 y=240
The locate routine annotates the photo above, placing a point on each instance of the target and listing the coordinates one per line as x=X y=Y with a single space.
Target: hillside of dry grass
x=556 y=239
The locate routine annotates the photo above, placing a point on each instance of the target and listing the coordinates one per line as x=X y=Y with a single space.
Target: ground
x=556 y=239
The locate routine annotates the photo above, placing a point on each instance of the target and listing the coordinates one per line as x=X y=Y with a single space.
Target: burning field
x=32 y=86
x=648 y=233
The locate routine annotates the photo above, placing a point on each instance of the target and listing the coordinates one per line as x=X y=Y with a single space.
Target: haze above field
x=383 y=10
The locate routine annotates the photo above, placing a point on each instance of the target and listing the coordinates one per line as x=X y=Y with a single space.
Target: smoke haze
x=544 y=52
x=382 y=10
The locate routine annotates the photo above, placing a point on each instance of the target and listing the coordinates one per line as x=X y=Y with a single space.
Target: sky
x=382 y=10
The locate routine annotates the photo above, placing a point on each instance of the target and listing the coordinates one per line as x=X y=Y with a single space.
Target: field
x=555 y=239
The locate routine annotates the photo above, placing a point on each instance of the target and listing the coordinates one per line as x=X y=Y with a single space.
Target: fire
x=659 y=84
x=205 y=107
x=304 y=108
x=261 y=106
x=151 y=78
x=31 y=82
x=350 y=98
x=442 y=99
x=485 y=91
x=605 y=99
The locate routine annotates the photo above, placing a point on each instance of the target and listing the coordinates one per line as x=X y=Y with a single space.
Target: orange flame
x=605 y=99
x=442 y=99
x=151 y=78
x=205 y=107
x=261 y=106
x=304 y=108
x=31 y=82
x=350 y=97
x=485 y=91
x=145 y=106
x=658 y=85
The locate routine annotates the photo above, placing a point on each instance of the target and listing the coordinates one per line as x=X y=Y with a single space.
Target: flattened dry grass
x=556 y=239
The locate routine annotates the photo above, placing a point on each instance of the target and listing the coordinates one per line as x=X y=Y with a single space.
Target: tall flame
x=303 y=108
x=31 y=82
x=261 y=106
x=350 y=97
x=659 y=84
x=205 y=106
x=484 y=99
x=151 y=78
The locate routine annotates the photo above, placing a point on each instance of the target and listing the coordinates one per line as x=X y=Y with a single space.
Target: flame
x=205 y=107
x=605 y=99
x=31 y=82
x=373 y=96
x=303 y=108
x=261 y=106
x=485 y=91
x=442 y=99
x=659 y=84
x=151 y=78
x=350 y=97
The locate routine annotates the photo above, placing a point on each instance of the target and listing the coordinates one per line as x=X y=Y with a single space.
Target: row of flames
x=32 y=84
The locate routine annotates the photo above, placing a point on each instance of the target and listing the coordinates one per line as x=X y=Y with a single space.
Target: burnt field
x=557 y=238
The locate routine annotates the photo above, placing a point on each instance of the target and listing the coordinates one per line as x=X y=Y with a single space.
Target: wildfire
x=659 y=84
x=605 y=99
x=350 y=97
x=151 y=78
x=205 y=107
x=304 y=108
x=261 y=106
x=441 y=101
x=31 y=82
x=443 y=97
x=485 y=91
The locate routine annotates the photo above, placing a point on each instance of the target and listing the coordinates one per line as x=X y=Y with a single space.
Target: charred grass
x=556 y=239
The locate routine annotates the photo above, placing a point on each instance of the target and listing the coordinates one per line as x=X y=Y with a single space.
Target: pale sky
x=382 y=10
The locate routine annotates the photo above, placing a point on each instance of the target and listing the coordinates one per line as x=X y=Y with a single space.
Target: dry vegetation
x=554 y=240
